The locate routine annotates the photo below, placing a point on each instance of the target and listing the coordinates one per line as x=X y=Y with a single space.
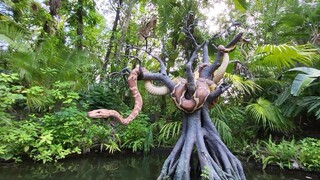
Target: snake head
x=125 y=71
x=224 y=86
x=99 y=113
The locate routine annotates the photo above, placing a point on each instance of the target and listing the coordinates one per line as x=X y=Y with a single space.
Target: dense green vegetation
x=58 y=58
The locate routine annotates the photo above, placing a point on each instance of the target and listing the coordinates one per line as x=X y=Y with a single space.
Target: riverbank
x=125 y=164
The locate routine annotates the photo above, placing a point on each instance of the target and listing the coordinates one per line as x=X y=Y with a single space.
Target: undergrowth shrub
x=135 y=135
x=303 y=154
x=309 y=155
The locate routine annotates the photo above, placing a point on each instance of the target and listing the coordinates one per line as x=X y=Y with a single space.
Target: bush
x=303 y=154
x=309 y=155
x=135 y=135
x=64 y=129
x=10 y=93
x=107 y=96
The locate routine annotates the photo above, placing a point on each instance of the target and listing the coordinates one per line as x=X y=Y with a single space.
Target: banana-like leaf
x=303 y=79
x=241 y=5
x=312 y=72
x=300 y=82
x=283 y=97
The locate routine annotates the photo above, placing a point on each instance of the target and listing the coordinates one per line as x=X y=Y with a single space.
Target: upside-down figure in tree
x=193 y=95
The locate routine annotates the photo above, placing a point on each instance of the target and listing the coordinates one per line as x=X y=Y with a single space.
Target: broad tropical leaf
x=241 y=5
x=300 y=83
x=303 y=79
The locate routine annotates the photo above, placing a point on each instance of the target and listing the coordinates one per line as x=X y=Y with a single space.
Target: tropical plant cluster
x=60 y=59
x=287 y=154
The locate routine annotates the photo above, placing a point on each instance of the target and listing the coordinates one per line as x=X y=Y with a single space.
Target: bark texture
x=215 y=159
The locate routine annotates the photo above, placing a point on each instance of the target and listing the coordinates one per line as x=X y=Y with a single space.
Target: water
x=119 y=167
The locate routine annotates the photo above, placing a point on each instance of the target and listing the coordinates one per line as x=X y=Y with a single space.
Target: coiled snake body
x=105 y=113
x=203 y=86
x=203 y=89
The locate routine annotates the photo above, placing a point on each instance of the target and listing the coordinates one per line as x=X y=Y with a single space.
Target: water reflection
x=120 y=167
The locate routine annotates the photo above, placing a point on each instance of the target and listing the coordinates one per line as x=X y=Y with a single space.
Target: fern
x=112 y=147
x=169 y=130
x=219 y=119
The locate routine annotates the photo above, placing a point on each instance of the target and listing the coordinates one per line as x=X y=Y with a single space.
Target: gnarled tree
x=193 y=94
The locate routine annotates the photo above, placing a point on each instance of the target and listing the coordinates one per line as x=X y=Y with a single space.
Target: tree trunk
x=124 y=29
x=216 y=161
x=112 y=37
x=80 y=25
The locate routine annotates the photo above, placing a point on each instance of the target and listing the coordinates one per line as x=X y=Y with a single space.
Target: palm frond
x=284 y=56
x=223 y=129
x=290 y=108
x=312 y=104
x=283 y=97
x=269 y=116
x=14 y=35
x=52 y=62
x=268 y=82
x=37 y=98
x=219 y=119
x=171 y=129
x=243 y=85
x=264 y=71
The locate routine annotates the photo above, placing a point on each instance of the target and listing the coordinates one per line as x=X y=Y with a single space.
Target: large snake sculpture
x=203 y=89
x=105 y=113
x=203 y=86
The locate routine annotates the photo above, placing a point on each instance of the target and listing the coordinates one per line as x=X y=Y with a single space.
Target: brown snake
x=105 y=113
x=203 y=89
x=203 y=86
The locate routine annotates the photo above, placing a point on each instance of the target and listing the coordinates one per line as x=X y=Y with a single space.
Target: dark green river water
x=119 y=167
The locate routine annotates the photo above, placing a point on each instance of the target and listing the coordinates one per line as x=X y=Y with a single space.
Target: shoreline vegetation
x=62 y=59
x=251 y=163
x=55 y=135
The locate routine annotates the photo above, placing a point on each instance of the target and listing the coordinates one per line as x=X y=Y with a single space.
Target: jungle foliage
x=58 y=58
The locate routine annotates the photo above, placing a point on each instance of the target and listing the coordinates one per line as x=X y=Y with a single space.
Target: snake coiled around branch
x=203 y=86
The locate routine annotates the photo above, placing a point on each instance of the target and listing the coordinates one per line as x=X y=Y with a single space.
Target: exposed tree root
x=216 y=161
